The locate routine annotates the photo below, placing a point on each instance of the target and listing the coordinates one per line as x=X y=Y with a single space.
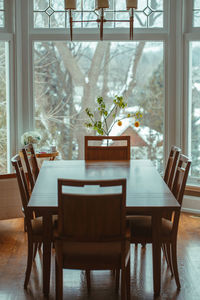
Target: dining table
x=146 y=194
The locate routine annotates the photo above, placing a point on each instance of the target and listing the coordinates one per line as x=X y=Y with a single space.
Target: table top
x=146 y=189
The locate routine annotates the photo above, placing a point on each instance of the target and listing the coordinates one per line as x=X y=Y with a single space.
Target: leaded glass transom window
x=2 y=14
x=196 y=13
x=51 y=14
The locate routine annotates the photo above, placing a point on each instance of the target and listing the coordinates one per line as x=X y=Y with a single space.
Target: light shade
x=101 y=4
x=70 y=4
x=131 y=4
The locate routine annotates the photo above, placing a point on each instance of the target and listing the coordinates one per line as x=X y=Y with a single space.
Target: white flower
x=32 y=137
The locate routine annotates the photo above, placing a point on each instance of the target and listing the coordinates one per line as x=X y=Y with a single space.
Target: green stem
x=105 y=121
x=114 y=107
x=114 y=121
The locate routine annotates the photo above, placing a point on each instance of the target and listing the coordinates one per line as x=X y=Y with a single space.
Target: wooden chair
x=114 y=149
x=92 y=231
x=141 y=227
x=171 y=165
x=31 y=164
x=33 y=225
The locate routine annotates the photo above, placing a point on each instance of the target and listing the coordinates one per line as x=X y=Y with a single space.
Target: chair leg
x=59 y=281
x=40 y=245
x=25 y=230
x=29 y=263
x=164 y=252
x=128 y=278
x=123 y=283
x=117 y=275
x=35 y=250
x=88 y=280
x=167 y=255
x=168 y=249
x=174 y=263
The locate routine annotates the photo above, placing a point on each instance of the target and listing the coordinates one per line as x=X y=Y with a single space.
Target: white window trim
x=6 y=35
x=191 y=34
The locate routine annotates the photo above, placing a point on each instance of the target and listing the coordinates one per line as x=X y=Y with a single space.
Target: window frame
x=147 y=34
x=6 y=35
x=89 y=31
x=191 y=34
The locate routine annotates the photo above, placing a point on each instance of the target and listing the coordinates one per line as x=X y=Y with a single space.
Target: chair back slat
x=92 y=217
x=31 y=164
x=180 y=178
x=179 y=184
x=171 y=165
x=23 y=186
x=113 y=149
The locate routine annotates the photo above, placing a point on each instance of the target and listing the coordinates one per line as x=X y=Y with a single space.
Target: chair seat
x=37 y=226
x=140 y=226
x=78 y=253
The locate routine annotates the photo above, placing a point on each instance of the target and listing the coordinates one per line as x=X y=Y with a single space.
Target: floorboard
x=13 y=253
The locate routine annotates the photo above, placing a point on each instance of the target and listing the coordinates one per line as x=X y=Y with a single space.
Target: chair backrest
x=180 y=177
x=115 y=148
x=91 y=211
x=179 y=184
x=23 y=188
x=171 y=165
x=31 y=164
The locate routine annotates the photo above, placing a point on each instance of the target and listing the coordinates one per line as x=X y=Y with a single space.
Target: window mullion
x=22 y=57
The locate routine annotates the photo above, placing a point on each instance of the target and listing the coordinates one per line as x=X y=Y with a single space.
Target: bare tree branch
x=70 y=64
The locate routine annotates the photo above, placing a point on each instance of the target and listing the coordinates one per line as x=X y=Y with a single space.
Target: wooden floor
x=13 y=262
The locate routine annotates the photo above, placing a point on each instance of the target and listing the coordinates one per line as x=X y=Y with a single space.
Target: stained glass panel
x=196 y=18
x=2 y=14
x=196 y=13
x=196 y=4
x=1 y=4
x=51 y=14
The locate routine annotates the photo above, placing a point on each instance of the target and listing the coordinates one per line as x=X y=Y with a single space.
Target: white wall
x=10 y=202
x=191 y=204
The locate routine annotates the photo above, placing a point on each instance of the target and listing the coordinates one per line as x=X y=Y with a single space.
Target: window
x=5 y=85
x=194 y=96
x=3 y=107
x=69 y=76
x=194 y=119
x=2 y=14
x=196 y=13
x=51 y=14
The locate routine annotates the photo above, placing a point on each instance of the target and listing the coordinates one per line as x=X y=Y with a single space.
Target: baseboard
x=191 y=204
x=191 y=211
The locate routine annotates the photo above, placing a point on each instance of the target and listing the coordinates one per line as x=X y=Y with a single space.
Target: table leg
x=156 y=249
x=47 y=234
